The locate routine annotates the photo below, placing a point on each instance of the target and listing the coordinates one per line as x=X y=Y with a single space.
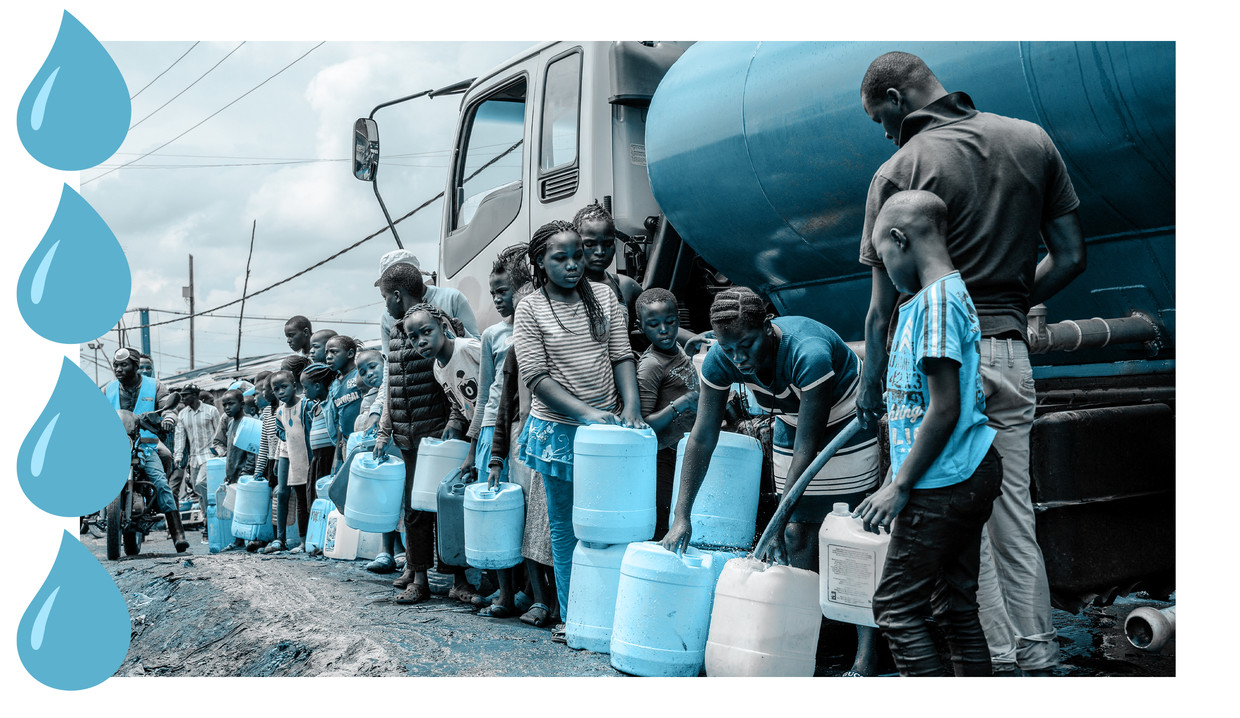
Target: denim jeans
x=563 y=540
x=931 y=568
x=1013 y=593
x=155 y=474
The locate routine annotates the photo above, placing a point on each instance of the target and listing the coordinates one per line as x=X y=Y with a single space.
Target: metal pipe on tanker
x=1150 y=629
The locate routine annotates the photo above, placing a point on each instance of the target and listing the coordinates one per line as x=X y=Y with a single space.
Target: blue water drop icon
x=76 y=111
x=76 y=458
x=75 y=633
x=75 y=286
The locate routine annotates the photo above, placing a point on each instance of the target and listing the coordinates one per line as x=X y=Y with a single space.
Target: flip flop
x=497 y=610
x=276 y=546
x=558 y=634
x=539 y=615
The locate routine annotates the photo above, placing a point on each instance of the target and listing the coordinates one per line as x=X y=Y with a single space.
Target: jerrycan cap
x=840 y=508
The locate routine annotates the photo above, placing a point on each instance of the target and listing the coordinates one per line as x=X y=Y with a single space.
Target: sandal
x=276 y=546
x=383 y=563
x=558 y=634
x=497 y=610
x=539 y=615
x=481 y=600
x=463 y=592
x=414 y=593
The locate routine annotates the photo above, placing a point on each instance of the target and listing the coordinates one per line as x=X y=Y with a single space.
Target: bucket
x=249 y=434
x=764 y=622
x=725 y=510
x=850 y=565
x=614 y=484
x=340 y=541
x=215 y=476
x=436 y=459
x=592 y=595
x=450 y=523
x=662 y=611
x=375 y=492
x=494 y=522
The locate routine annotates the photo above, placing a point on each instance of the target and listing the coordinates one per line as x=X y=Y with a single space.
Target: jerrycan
x=494 y=522
x=764 y=622
x=662 y=611
x=592 y=595
x=369 y=544
x=614 y=484
x=253 y=503
x=219 y=531
x=375 y=491
x=249 y=434
x=225 y=500
x=317 y=529
x=450 y=523
x=215 y=477
x=436 y=459
x=357 y=438
x=725 y=510
x=340 y=541
x=850 y=565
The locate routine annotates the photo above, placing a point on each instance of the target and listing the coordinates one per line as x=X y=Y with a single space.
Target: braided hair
x=595 y=212
x=295 y=363
x=455 y=326
x=512 y=263
x=538 y=248
x=319 y=374
x=737 y=308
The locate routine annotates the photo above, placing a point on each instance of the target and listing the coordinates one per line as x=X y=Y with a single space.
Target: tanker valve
x=1150 y=629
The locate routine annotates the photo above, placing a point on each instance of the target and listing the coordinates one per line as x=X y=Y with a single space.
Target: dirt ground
x=241 y=614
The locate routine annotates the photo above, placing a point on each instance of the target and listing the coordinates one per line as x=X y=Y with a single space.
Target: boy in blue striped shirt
x=945 y=474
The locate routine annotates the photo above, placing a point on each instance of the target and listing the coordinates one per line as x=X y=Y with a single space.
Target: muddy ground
x=240 y=614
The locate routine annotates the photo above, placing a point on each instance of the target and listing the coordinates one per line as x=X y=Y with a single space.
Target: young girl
x=315 y=379
x=293 y=465
x=574 y=356
x=801 y=371
x=598 y=237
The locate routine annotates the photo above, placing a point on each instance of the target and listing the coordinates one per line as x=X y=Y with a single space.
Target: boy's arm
x=178 y=444
x=943 y=376
x=219 y=442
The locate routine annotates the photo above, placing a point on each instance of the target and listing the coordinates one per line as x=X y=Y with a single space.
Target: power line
x=182 y=92
x=174 y=64
x=213 y=114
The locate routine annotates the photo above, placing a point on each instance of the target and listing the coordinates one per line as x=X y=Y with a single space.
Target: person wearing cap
x=196 y=425
x=139 y=394
x=446 y=298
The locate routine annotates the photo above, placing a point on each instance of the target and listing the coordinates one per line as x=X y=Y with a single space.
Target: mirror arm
x=391 y=226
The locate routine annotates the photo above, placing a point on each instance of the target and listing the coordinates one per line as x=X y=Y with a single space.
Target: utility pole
x=188 y=293
x=245 y=287
x=144 y=318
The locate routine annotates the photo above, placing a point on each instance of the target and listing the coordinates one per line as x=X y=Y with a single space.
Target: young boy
x=945 y=472
x=370 y=364
x=237 y=461
x=297 y=333
x=318 y=345
x=344 y=400
x=668 y=386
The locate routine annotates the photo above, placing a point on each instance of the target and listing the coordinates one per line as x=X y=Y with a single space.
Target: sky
x=278 y=162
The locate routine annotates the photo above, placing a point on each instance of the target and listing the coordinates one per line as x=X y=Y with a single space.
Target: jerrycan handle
x=691 y=561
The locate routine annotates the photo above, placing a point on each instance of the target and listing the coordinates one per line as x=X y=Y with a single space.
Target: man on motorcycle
x=140 y=394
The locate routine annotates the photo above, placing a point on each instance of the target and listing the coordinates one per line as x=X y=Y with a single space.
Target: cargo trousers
x=1013 y=594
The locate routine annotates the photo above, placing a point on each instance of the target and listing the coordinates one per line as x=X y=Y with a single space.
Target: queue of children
x=560 y=358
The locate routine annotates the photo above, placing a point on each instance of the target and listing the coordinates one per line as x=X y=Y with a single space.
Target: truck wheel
x=113 y=527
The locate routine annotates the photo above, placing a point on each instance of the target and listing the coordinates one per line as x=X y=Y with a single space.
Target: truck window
x=560 y=112
x=492 y=149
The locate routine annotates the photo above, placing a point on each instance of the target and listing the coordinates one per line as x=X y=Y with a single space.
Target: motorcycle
x=133 y=513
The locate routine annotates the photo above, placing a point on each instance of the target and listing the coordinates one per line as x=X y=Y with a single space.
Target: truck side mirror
x=365 y=149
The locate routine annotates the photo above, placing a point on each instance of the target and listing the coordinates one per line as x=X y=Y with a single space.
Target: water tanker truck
x=748 y=163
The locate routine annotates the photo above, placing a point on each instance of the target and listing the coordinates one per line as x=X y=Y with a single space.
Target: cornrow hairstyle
x=512 y=263
x=403 y=276
x=538 y=248
x=654 y=296
x=594 y=212
x=294 y=363
x=439 y=315
x=319 y=374
x=737 y=307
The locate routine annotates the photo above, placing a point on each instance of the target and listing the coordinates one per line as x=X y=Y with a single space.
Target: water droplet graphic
x=76 y=457
x=75 y=286
x=75 y=113
x=75 y=633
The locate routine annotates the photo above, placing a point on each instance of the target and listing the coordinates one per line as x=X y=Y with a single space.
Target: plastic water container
x=219 y=531
x=369 y=544
x=375 y=491
x=340 y=541
x=317 y=529
x=850 y=565
x=253 y=504
x=354 y=439
x=249 y=434
x=725 y=511
x=225 y=500
x=215 y=477
x=614 y=484
x=494 y=522
x=436 y=459
x=450 y=523
x=764 y=622
x=662 y=611
x=592 y=595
